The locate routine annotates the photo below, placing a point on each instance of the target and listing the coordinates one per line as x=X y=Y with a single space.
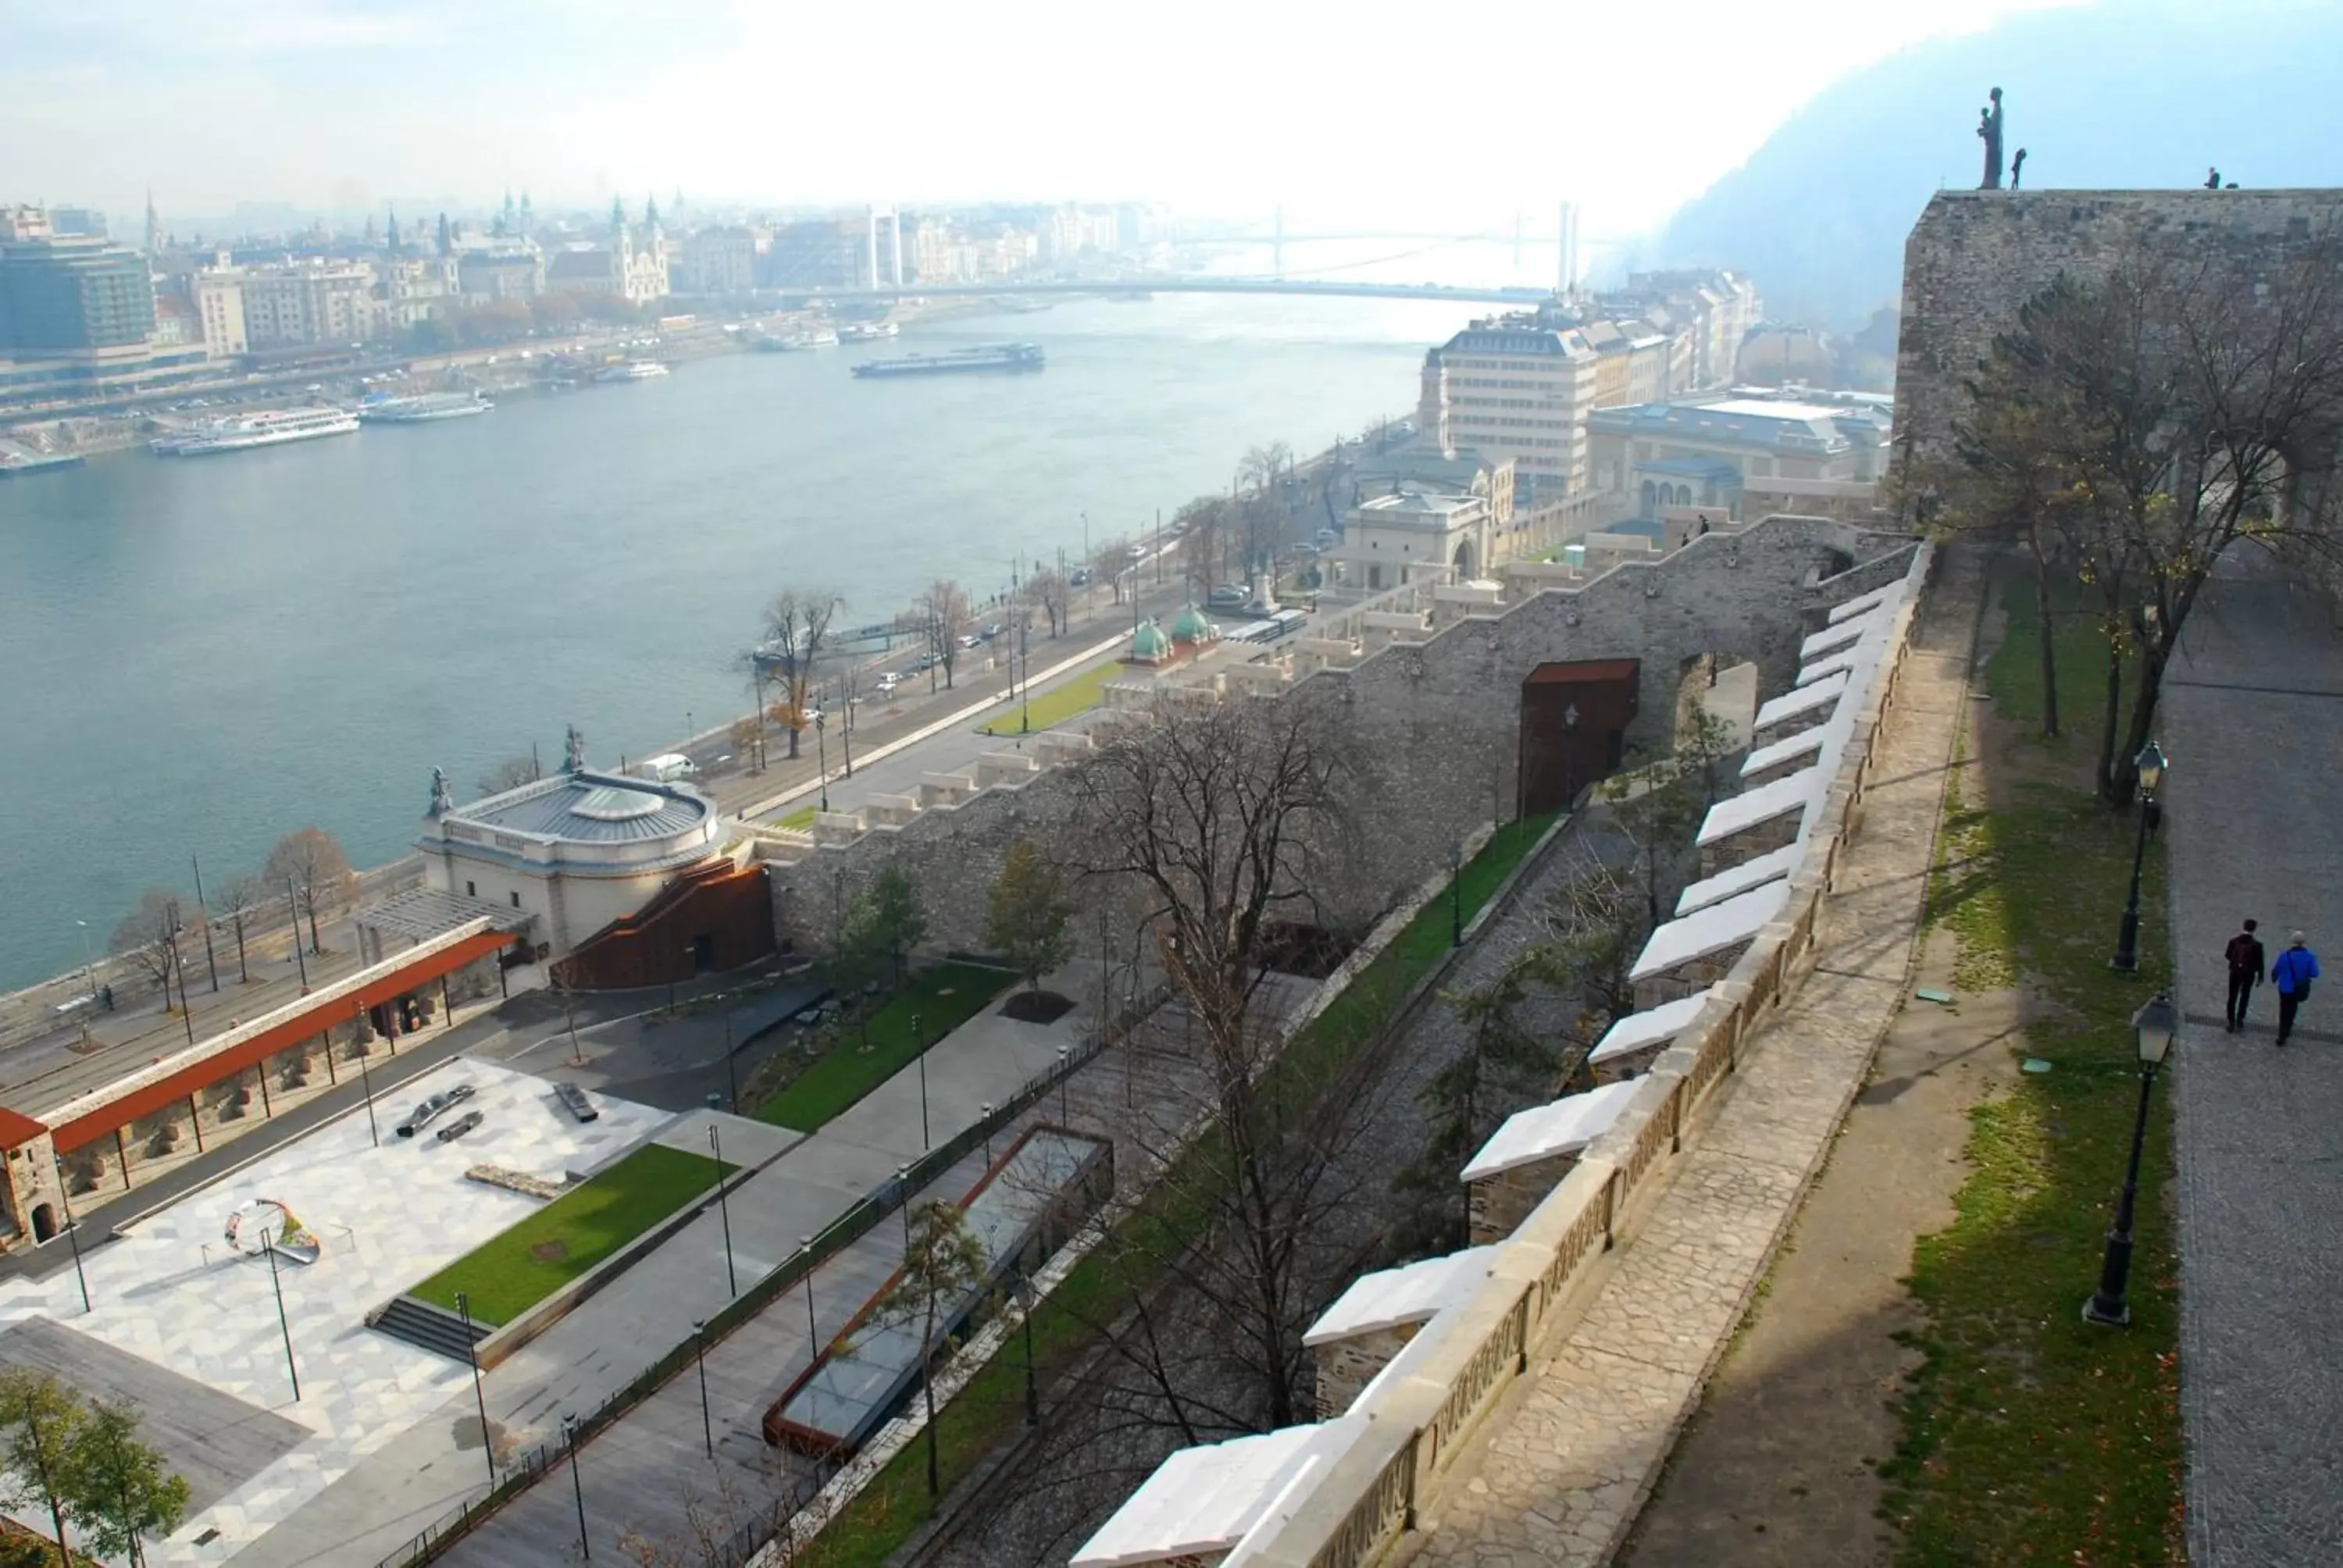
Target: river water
x=198 y=655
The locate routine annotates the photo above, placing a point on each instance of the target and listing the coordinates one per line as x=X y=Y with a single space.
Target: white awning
x=1565 y=1127
x=1652 y=1026
x=1792 y=793
x=1835 y=637
x=1803 y=743
x=1203 y=1500
x=1801 y=699
x=1710 y=931
x=1740 y=879
x=1855 y=607
x=1390 y=1297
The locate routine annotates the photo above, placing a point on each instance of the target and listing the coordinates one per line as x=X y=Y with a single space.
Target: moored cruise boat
x=866 y=331
x=271 y=428
x=631 y=370
x=991 y=357
x=797 y=342
x=424 y=407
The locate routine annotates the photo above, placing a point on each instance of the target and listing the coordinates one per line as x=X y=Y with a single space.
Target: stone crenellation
x=1974 y=256
x=1437 y=721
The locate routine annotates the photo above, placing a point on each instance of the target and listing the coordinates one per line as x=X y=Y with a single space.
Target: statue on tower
x=443 y=798
x=573 y=752
x=1989 y=132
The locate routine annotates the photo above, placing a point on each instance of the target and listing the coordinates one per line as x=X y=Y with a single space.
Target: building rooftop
x=1416 y=506
x=590 y=808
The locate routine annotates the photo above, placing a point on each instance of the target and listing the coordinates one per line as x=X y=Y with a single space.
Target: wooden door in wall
x=1573 y=728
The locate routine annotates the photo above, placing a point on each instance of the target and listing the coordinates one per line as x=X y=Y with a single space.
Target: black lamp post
x=920 y=1044
x=73 y=1232
x=1065 y=1118
x=1028 y=1299
x=2150 y=766
x=723 y=1201
x=699 y=1354
x=822 y=752
x=813 y=1334
x=471 y=1354
x=1456 y=895
x=365 y=1049
x=283 y=1327
x=569 y=1436
x=2154 y=1024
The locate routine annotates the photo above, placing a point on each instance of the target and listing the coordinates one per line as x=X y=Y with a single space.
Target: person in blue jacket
x=2292 y=973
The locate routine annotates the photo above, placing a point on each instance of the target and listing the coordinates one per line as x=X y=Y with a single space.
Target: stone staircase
x=427 y=1327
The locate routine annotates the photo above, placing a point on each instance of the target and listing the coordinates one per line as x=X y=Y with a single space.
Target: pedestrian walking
x=2292 y=973
x=2248 y=968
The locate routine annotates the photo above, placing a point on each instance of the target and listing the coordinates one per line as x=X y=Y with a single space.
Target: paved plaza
x=2249 y=719
x=174 y=1291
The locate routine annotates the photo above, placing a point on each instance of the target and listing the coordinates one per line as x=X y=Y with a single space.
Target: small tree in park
x=943 y=1264
x=1026 y=921
x=316 y=866
x=118 y=1491
x=898 y=922
x=41 y=1425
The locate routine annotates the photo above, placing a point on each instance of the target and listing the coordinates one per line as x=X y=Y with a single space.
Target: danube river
x=198 y=655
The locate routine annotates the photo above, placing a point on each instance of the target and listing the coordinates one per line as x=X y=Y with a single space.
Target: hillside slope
x=2122 y=93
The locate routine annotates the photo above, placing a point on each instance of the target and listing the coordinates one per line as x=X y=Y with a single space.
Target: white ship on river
x=271 y=428
x=424 y=407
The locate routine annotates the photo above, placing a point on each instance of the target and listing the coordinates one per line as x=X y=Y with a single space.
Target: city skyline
x=1033 y=105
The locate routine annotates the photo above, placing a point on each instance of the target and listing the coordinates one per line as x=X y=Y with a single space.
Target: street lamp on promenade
x=920 y=1045
x=2150 y=765
x=2153 y=1025
x=821 y=756
x=1456 y=894
x=723 y=1203
x=570 y=1437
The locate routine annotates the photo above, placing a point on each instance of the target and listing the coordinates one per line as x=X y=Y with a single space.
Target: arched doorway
x=44 y=1223
x=1464 y=561
x=1650 y=499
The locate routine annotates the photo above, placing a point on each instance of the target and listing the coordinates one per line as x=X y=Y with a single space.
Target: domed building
x=1149 y=645
x=1192 y=627
x=631 y=875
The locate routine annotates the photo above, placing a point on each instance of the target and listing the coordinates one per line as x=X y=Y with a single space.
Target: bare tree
x=2189 y=400
x=319 y=872
x=1503 y=1065
x=147 y=938
x=509 y=774
x=943 y=1264
x=236 y=900
x=1229 y=819
x=944 y=617
x=720 y=1531
x=797 y=630
x=1204 y=539
x=1047 y=591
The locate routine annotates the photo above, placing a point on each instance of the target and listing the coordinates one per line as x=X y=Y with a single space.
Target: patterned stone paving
x=173 y=1291
x=1562 y=1468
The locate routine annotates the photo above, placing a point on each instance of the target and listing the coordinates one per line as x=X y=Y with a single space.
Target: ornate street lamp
x=2154 y=1025
x=2150 y=765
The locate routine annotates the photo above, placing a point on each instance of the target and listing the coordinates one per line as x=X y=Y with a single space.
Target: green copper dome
x=1149 y=642
x=1191 y=626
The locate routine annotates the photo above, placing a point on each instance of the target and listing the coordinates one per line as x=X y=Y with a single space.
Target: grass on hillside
x=1096 y=1289
x=2029 y=1436
x=943 y=998
x=512 y=1271
x=1056 y=705
x=799 y=821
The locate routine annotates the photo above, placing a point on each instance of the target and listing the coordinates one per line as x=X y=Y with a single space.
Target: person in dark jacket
x=2248 y=968
x=2292 y=974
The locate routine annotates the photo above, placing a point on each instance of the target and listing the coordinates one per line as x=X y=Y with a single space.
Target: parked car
x=970 y=640
x=1135 y=553
x=991 y=631
x=886 y=682
x=422 y=1115
x=1228 y=596
x=461 y=1125
x=1078 y=578
x=573 y=1100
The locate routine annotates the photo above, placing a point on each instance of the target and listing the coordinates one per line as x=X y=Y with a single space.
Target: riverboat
x=867 y=331
x=272 y=428
x=1010 y=357
x=424 y=408
x=631 y=370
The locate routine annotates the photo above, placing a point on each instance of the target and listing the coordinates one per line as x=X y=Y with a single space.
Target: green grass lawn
x=1098 y=1290
x=943 y=998
x=1059 y=704
x=2027 y=1435
x=513 y=1272
x=799 y=821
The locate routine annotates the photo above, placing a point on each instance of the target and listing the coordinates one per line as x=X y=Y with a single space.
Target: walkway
x=1558 y=1472
x=2250 y=718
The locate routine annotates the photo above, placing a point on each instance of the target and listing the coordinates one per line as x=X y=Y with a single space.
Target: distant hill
x=2124 y=93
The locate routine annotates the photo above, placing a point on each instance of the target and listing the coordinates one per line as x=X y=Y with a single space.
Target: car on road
x=1135 y=553
x=991 y=631
x=461 y=1125
x=970 y=640
x=886 y=682
x=1228 y=596
x=927 y=661
x=423 y=1114
x=574 y=1101
x=1078 y=578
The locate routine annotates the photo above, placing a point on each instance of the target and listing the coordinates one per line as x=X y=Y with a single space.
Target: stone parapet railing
x=1447 y=1378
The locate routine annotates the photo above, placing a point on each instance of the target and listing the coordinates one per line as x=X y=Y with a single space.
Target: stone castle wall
x=1437 y=724
x=1974 y=256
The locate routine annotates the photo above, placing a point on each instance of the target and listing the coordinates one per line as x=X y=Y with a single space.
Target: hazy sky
x=1450 y=114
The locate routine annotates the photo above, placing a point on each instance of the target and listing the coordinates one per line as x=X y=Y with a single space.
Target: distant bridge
x=1516 y=295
